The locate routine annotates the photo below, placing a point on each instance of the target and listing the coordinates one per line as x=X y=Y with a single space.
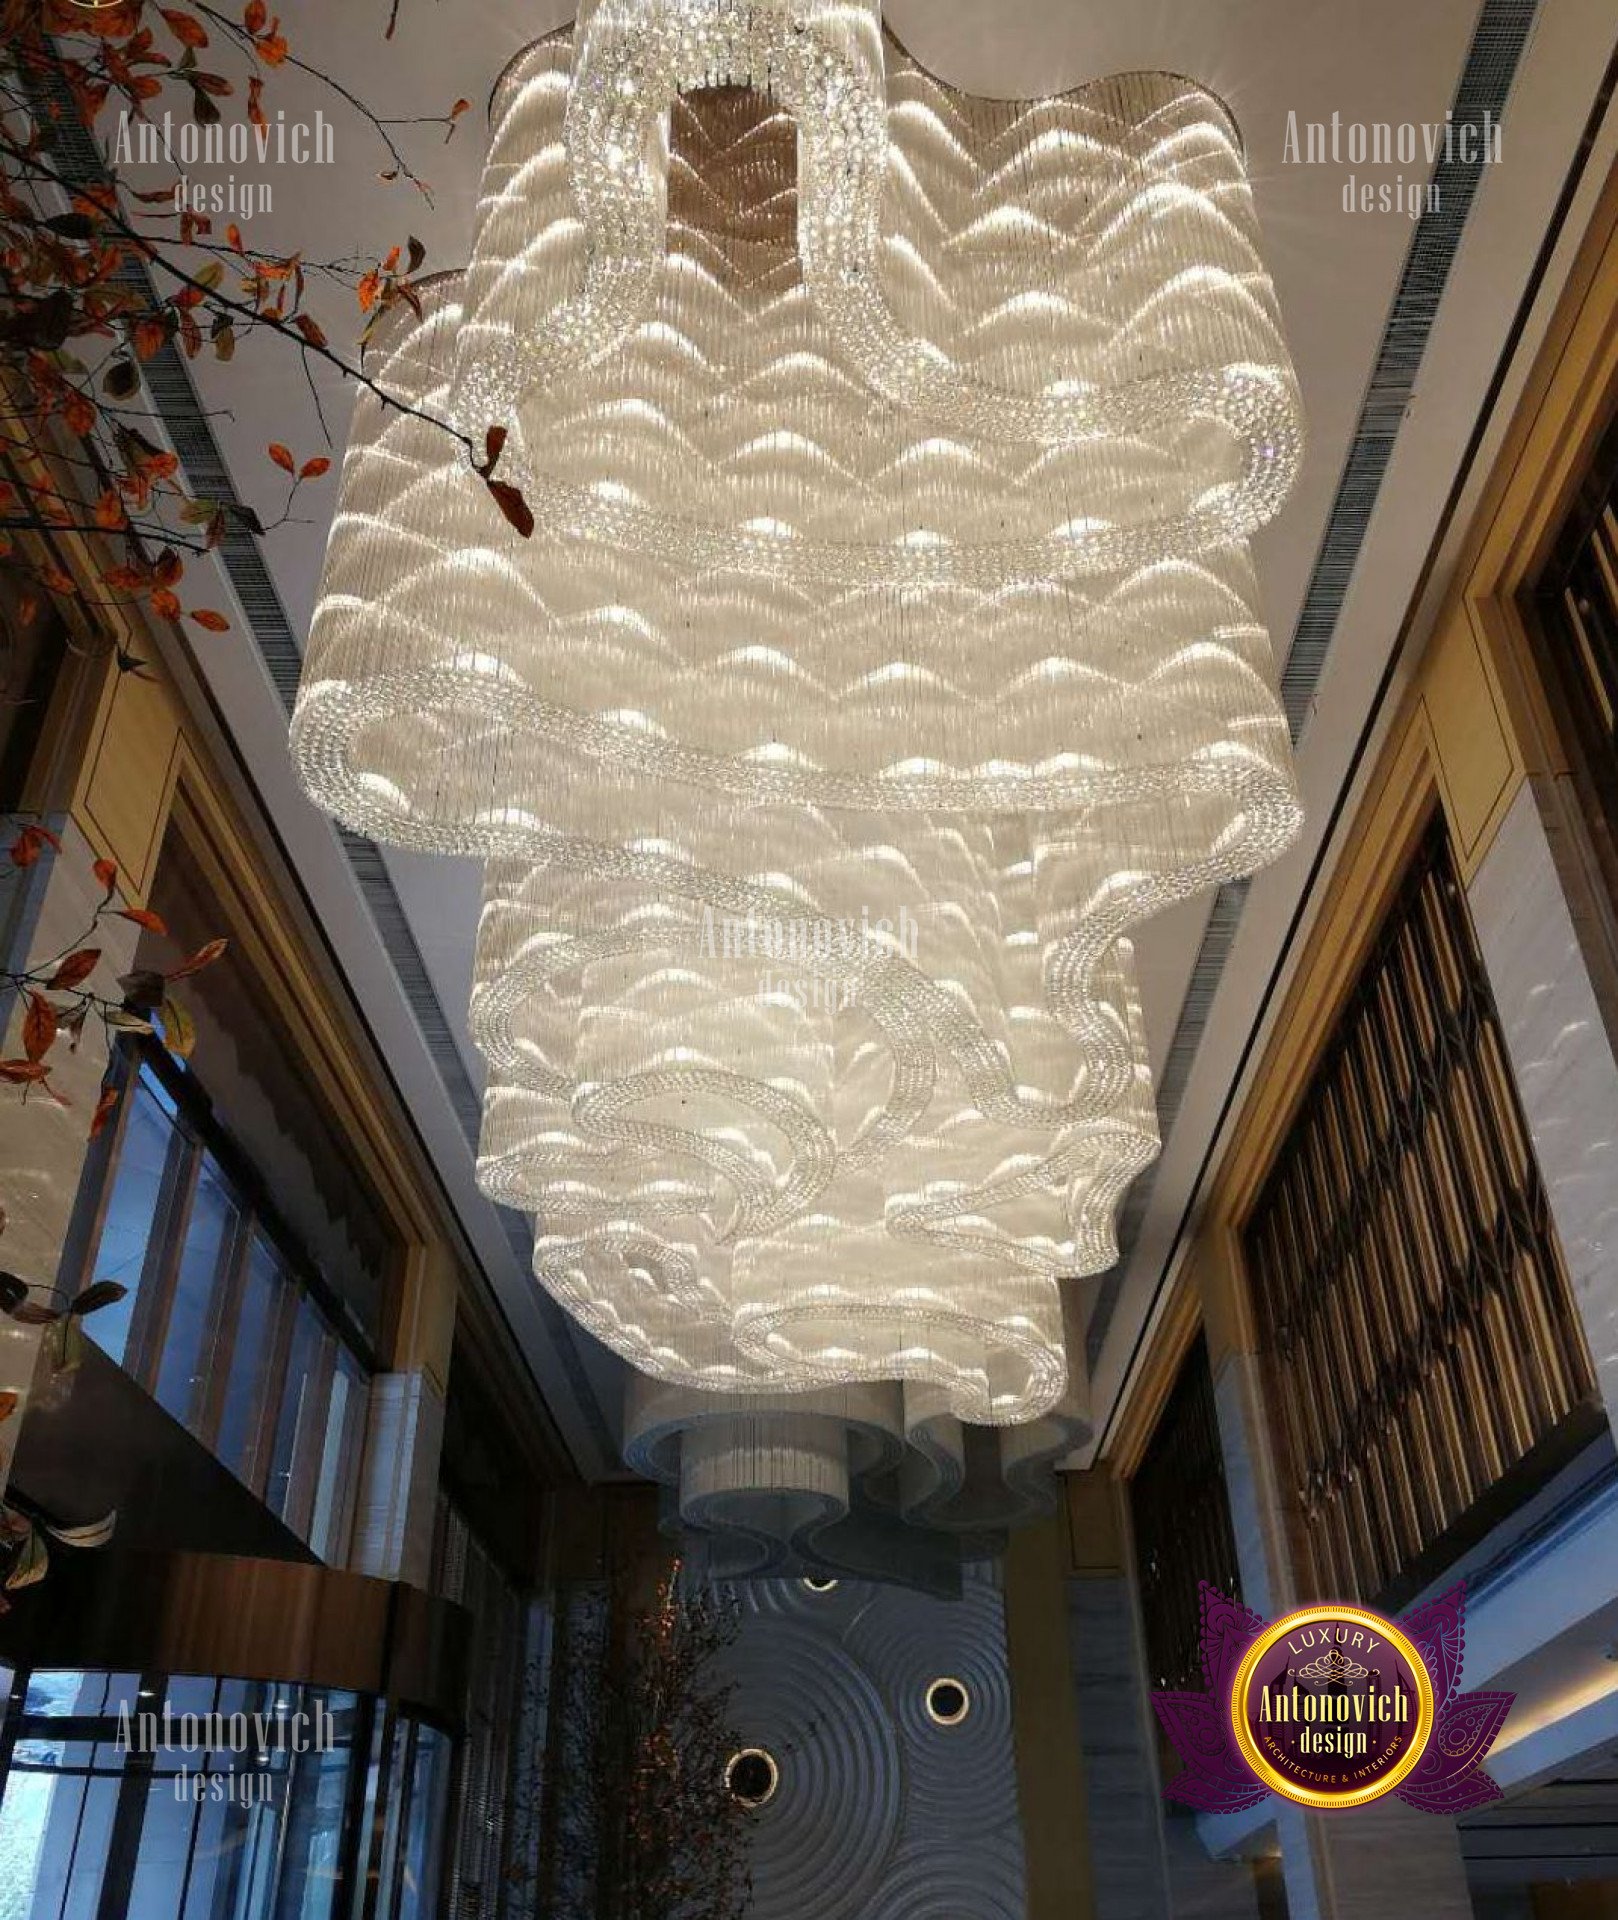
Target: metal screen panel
x=1422 y=1341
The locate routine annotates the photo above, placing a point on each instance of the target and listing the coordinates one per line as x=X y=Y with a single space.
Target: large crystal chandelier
x=887 y=651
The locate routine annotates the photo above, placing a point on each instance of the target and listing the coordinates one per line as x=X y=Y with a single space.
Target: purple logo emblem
x=1333 y=1706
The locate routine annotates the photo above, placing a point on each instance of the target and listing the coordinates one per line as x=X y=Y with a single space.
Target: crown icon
x=1334 y=1665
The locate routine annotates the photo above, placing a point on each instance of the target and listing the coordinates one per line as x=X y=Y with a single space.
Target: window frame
x=355 y=1841
x=197 y=1138
x=1578 y=667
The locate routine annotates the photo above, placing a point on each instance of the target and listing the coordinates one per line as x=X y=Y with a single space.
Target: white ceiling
x=1335 y=273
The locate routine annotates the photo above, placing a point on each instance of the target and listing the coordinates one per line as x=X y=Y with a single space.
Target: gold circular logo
x=1332 y=1706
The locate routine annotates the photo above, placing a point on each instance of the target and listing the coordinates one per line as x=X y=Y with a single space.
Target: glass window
x=75 y=1816
x=298 y=1430
x=201 y=1286
x=339 y=1460
x=413 y=1840
x=56 y=1816
x=220 y=1321
x=234 y=1857
x=424 y=1825
x=167 y=1825
x=235 y=1848
x=264 y=1284
x=259 y=1092
x=181 y=1834
x=131 y=1241
x=316 y=1798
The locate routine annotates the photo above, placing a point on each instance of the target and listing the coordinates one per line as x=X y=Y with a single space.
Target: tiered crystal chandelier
x=885 y=653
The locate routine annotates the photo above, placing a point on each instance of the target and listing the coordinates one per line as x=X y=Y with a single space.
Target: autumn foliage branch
x=59 y=995
x=637 y=1820
x=97 y=277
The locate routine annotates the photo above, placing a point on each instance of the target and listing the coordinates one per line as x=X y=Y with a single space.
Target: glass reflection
x=199 y=1799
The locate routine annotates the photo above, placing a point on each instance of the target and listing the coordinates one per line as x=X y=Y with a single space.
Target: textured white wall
x=880 y=1813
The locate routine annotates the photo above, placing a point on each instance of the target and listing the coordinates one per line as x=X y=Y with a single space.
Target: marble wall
x=1127 y=1815
x=393 y=1520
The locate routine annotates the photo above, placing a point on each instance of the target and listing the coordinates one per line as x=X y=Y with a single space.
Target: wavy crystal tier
x=744 y=1183
x=887 y=650
x=874 y=1481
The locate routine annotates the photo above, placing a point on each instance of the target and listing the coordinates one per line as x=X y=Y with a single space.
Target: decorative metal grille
x=1180 y=1511
x=1423 y=1346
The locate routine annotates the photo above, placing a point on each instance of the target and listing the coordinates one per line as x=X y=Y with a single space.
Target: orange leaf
x=106 y=871
x=272 y=49
x=30 y=843
x=254 y=15
x=166 y=604
x=23 y=1072
x=74 y=970
x=233 y=234
x=313 y=469
x=109 y=510
x=188 y=31
x=459 y=108
x=214 y=622
x=204 y=956
x=369 y=291
x=149 y=336
x=143 y=917
x=282 y=457
x=38 y=1027
x=106 y=1106
x=309 y=330
x=513 y=506
x=255 y=95
x=8 y=1406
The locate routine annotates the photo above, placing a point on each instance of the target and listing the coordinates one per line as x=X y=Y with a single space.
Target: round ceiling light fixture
x=948 y=1702
x=752 y=1777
